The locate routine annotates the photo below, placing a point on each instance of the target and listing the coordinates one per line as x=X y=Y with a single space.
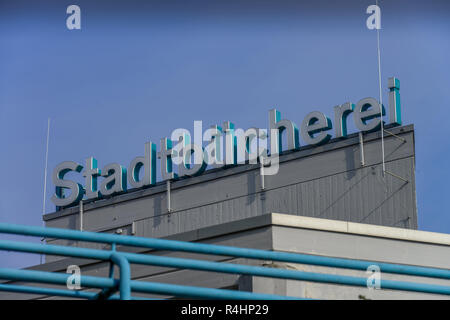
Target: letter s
x=77 y=191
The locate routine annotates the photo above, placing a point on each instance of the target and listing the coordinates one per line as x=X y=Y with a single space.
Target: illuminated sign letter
x=246 y=139
x=115 y=179
x=148 y=162
x=213 y=150
x=313 y=128
x=340 y=118
x=166 y=159
x=91 y=172
x=394 y=101
x=280 y=126
x=365 y=110
x=59 y=198
x=230 y=144
x=186 y=168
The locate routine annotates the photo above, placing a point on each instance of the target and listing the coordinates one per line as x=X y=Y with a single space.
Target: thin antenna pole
x=45 y=177
x=381 y=96
x=46 y=167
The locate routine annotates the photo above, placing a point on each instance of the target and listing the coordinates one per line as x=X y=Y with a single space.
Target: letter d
x=148 y=162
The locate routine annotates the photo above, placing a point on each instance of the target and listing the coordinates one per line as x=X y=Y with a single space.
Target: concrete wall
x=325 y=182
x=351 y=241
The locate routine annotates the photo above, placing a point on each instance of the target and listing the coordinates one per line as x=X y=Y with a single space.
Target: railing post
x=125 y=275
x=106 y=293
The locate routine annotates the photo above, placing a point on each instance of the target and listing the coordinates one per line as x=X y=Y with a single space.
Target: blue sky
x=139 y=69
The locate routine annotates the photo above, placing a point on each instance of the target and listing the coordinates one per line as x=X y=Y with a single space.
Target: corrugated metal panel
x=324 y=182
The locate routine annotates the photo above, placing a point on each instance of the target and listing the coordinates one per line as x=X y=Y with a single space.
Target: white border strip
x=360 y=229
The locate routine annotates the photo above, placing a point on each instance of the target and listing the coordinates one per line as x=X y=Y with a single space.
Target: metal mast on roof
x=380 y=92
x=375 y=9
x=45 y=179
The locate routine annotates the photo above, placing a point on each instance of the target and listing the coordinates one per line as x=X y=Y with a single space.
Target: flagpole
x=381 y=95
x=45 y=179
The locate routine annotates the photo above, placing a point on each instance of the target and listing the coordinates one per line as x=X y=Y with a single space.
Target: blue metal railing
x=125 y=285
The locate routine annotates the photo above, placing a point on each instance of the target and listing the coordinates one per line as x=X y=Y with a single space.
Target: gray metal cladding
x=323 y=182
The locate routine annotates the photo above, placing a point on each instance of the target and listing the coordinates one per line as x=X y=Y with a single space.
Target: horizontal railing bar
x=222 y=267
x=233 y=268
x=48 y=291
x=139 y=286
x=58 y=292
x=203 y=293
x=174 y=245
x=55 y=278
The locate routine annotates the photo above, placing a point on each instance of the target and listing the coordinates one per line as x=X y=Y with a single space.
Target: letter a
x=74 y=20
x=374 y=20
